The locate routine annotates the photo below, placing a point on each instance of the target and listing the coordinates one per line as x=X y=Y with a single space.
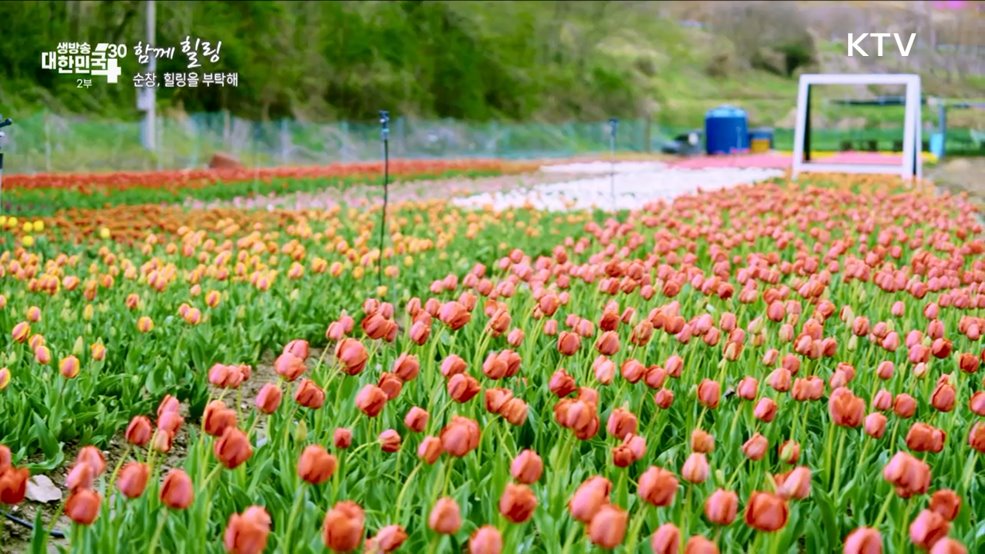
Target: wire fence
x=46 y=142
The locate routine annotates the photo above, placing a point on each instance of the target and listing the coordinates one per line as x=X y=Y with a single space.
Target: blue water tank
x=726 y=130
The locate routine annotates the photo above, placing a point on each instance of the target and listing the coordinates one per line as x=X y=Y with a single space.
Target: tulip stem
x=634 y=532
x=884 y=509
x=157 y=532
x=298 y=499
x=403 y=490
x=841 y=451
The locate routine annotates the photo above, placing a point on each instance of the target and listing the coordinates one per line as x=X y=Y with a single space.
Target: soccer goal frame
x=911 y=166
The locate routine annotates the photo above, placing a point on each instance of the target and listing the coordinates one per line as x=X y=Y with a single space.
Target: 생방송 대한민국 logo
x=82 y=60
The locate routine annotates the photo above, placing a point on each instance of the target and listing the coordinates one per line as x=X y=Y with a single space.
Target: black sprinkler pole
x=613 y=126
x=385 y=136
x=3 y=139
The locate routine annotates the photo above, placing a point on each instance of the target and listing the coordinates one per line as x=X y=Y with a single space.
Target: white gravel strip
x=632 y=188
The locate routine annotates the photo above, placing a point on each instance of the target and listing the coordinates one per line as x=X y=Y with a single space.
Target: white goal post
x=911 y=164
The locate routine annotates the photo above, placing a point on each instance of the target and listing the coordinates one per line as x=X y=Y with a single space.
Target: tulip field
x=785 y=367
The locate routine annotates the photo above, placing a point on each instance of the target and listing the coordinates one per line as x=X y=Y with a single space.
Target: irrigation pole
x=3 y=139
x=385 y=137
x=613 y=126
x=148 y=135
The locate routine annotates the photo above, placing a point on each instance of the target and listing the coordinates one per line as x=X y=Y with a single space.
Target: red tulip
x=527 y=467
x=133 y=479
x=247 y=533
x=517 y=503
x=309 y=395
x=486 y=540
x=947 y=503
x=344 y=526
x=233 y=448
x=721 y=507
x=316 y=465
x=445 y=518
x=608 y=527
x=863 y=540
x=177 y=491
x=766 y=512
x=139 y=431
x=82 y=506
x=666 y=540
x=268 y=399
x=928 y=528
x=589 y=498
x=371 y=400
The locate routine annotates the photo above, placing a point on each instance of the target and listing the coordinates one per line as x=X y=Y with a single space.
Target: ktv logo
x=855 y=43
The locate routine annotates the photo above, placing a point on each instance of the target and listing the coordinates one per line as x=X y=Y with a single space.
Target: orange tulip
x=133 y=479
x=344 y=526
x=69 y=367
x=177 y=491
x=445 y=517
x=82 y=506
x=316 y=465
x=608 y=526
x=702 y=442
x=247 y=533
x=766 y=512
x=517 y=503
